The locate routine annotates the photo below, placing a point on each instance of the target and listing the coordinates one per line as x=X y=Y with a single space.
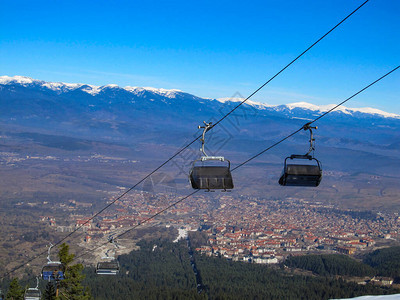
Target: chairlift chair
x=302 y=174
x=53 y=270
x=110 y=266
x=207 y=176
x=107 y=267
x=33 y=293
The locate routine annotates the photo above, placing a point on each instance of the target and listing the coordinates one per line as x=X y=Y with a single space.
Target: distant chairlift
x=33 y=293
x=302 y=174
x=110 y=265
x=53 y=270
x=210 y=177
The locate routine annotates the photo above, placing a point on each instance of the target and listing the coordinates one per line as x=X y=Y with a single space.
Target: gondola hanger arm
x=312 y=139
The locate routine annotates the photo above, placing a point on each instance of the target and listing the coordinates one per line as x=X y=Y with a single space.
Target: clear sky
x=209 y=48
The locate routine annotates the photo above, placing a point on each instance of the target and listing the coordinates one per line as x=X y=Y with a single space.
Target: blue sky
x=209 y=48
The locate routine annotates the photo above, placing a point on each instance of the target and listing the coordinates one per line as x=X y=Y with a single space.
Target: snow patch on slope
x=91 y=89
x=343 y=109
x=57 y=86
x=312 y=107
x=258 y=105
x=162 y=92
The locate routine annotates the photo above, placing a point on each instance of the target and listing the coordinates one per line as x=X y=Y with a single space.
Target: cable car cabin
x=32 y=294
x=107 y=268
x=301 y=174
x=53 y=271
x=211 y=177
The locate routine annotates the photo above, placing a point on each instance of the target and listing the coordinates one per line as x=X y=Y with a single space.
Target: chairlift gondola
x=33 y=293
x=53 y=270
x=107 y=267
x=302 y=174
x=110 y=265
x=208 y=176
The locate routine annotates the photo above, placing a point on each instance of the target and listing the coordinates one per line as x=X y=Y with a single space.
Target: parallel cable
x=289 y=64
x=141 y=223
x=193 y=141
x=219 y=121
x=316 y=119
x=248 y=160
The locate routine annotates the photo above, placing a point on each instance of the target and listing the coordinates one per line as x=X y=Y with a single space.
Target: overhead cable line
x=216 y=123
x=316 y=119
x=248 y=160
x=194 y=140
x=289 y=64
x=141 y=223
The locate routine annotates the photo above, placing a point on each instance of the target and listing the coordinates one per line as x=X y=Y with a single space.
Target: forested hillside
x=159 y=270
x=162 y=270
x=165 y=270
x=331 y=264
x=386 y=262
x=382 y=262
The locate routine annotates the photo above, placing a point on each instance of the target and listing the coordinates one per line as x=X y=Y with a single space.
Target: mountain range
x=155 y=123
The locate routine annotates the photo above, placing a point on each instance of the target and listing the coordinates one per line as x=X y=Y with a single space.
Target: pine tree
x=49 y=292
x=63 y=254
x=15 y=291
x=71 y=287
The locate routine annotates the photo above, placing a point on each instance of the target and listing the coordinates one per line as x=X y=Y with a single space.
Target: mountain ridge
x=61 y=87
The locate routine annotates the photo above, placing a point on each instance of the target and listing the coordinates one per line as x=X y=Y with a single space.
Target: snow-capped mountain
x=133 y=115
x=60 y=88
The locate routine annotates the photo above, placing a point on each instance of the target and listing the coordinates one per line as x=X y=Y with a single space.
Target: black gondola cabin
x=301 y=174
x=211 y=177
x=107 y=268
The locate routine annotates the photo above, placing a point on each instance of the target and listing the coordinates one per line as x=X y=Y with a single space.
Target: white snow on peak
x=370 y=110
x=162 y=92
x=91 y=89
x=60 y=87
x=133 y=89
x=258 y=105
x=16 y=79
x=227 y=99
x=23 y=80
x=113 y=86
x=313 y=107
x=343 y=109
x=303 y=105
x=57 y=86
